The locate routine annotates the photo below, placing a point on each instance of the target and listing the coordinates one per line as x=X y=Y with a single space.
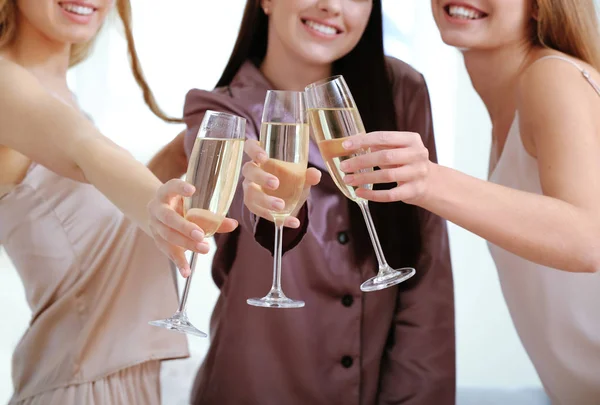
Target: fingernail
x=278 y=205
x=343 y=166
x=188 y=188
x=294 y=223
x=199 y=246
x=347 y=144
x=197 y=235
x=272 y=183
x=262 y=157
x=348 y=179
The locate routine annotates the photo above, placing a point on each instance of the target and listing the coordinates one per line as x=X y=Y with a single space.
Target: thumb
x=313 y=177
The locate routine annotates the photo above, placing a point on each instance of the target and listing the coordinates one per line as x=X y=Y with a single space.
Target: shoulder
x=239 y=99
x=20 y=94
x=402 y=74
x=555 y=83
x=554 y=91
x=16 y=81
x=408 y=84
x=245 y=95
x=554 y=102
x=400 y=70
x=197 y=102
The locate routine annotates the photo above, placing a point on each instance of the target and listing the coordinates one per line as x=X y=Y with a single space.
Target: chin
x=316 y=59
x=79 y=37
x=458 y=41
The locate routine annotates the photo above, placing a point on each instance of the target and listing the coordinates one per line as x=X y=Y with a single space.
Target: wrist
x=432 y=185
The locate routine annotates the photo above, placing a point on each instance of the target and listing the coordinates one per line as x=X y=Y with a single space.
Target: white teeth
x=464 y=12
x=75 y=9
x=325 y=29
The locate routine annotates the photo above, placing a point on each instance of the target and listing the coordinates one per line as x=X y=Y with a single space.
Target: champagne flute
x=284 y=136
x=333 y=116
x=214 y=169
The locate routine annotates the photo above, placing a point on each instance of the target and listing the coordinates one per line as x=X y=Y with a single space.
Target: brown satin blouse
x=396 y=346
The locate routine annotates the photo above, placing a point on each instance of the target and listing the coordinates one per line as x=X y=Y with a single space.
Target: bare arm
x=559 y=229
x=559 y=112
x=60 y=138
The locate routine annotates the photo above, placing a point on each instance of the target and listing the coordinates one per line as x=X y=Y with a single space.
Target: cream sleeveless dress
x=556 y=314
x=93 y=280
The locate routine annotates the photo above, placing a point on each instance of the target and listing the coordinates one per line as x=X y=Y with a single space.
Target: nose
x=330 y=6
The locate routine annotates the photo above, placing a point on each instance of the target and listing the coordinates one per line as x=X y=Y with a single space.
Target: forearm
x=116 y=174
x=538 y=228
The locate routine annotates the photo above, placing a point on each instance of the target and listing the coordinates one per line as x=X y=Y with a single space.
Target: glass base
x=275 y=300
x=179 y=323
x=387 y=278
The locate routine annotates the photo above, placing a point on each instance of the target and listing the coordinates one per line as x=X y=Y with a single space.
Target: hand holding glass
x=214 y=169
x=333 y=116
x=284 y=137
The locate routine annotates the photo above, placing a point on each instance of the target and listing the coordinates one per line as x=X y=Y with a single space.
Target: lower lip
x=318 y=34
x=77 y=18
x=461 y=21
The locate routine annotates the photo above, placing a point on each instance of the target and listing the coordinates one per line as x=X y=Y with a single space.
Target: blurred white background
x=186 y=44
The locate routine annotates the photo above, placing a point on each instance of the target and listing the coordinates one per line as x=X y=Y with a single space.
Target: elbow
x=591 y=254
x=584 y=258
x=593 y=264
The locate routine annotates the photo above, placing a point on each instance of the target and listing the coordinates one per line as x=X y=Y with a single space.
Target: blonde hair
x=79 y=52
x=569 y=26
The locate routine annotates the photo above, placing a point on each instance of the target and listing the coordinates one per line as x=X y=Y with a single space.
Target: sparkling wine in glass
x=333 y=116
x=214 y=169
x=284 y=136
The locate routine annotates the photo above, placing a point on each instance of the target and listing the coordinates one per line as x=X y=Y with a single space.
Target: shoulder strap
x=583 y=71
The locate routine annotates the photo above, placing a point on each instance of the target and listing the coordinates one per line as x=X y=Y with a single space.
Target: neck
x=494 y=75
x=45 y=58
x=284 y=71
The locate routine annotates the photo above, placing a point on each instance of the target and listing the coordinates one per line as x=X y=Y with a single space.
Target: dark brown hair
x=365 y=70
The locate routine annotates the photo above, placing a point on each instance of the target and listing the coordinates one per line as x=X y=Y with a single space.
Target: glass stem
x=364 y=207
x=188 y=282
x=276 y=288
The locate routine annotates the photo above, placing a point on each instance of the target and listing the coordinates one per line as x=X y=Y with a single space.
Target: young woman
x=535 y=65
x=394 y=346
x=92 y=277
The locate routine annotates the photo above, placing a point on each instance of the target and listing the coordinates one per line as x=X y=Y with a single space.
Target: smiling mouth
x=464 y=12
x=77 y=9
x=322 y=28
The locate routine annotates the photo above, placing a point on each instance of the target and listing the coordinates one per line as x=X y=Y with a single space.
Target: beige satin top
x=555 y=312
x=93 y=280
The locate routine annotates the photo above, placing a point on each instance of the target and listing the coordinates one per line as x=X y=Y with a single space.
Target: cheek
x=514 y=15
x=109 y=4
x=512 y=27
x=283 y=9
x=34 y=12
x=356 y=23
x=101 y=18
x=437 y=13
x=106 y=7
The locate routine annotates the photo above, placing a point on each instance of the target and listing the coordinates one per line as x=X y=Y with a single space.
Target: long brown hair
x=569 y=26
x=79 y=52
x=366 y=72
